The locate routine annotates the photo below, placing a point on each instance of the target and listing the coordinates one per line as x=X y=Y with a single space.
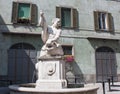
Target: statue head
x=56 y=22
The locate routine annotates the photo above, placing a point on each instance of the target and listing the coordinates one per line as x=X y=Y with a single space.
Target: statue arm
x=42 y=22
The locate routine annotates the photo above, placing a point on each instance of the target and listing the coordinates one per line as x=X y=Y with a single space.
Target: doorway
x=21 y=63
x=106 y=66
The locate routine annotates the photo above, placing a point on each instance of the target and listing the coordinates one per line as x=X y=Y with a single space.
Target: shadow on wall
x=74 y=73
x=3 y=26
x=26 y=59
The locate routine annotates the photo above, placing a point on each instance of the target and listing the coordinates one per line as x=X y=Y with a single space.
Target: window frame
x=74 y=15
x=33 y=13
x=108 y=21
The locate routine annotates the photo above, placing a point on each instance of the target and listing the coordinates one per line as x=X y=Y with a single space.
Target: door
x=21 y=63
x=105 y=64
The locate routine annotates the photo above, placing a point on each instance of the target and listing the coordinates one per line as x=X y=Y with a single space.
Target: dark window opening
x=67 y=50
x=102 y=21
x=66 y=17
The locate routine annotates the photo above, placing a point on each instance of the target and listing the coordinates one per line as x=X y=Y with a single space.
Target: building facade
x=90 y=33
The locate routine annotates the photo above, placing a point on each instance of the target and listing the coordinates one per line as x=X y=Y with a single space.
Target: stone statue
x=50 y=36
x=50 y=66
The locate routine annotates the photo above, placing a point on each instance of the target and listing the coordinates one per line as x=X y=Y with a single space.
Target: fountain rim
x=88 y=87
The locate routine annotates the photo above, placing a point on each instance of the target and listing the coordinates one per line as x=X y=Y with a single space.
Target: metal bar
x=112 y=80
x=103 y=86
x=109 y=84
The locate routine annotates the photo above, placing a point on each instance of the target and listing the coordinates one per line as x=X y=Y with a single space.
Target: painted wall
x=84 y=48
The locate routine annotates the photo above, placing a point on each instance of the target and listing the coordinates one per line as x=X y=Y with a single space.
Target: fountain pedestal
x=51 y=80
x=51 y=73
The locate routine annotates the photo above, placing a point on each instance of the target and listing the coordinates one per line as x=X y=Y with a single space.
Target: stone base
x=51 y=73
x=50 y=84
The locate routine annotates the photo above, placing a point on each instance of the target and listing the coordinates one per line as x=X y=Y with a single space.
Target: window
x=67 y=50
x=24 y=13
x=103 y=21
x=68 y=16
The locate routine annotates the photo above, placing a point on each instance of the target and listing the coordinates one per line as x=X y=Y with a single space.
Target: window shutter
x=110 y=22
x=33 y=19
x=58 y=12
x=14 y=12
x=96 y=21
x=74 y=18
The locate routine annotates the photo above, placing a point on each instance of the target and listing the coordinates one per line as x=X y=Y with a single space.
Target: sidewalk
x=115 y=89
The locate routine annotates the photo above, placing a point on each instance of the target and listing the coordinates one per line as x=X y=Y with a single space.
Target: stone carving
x=51 y=68
x=50 y=36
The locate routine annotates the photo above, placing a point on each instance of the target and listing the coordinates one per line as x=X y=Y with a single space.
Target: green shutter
x=33 y=19
x=74 y=19
x=14 y=12
x=58 y=12
x=110 y=22
x=96 y=21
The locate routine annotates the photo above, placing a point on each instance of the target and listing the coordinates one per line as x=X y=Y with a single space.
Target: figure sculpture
x=50 y=36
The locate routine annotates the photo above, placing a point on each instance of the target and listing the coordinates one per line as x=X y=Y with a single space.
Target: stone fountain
x=51 y=66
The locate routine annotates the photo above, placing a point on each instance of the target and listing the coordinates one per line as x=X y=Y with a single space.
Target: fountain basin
x=30 y=89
